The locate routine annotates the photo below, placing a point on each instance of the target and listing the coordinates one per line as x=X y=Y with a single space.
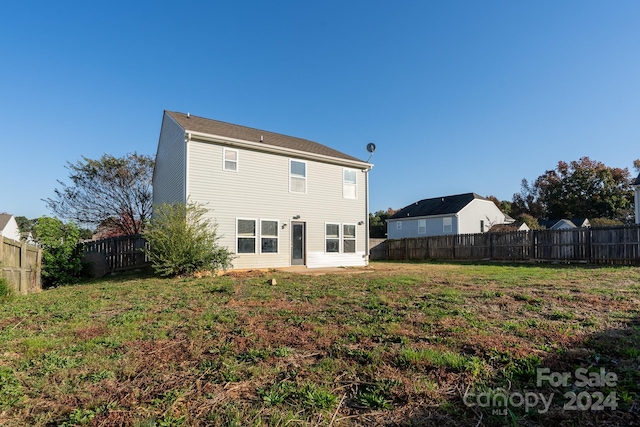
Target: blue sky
x=458 y=96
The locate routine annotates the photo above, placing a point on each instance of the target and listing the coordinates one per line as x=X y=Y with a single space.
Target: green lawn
x=390 y=344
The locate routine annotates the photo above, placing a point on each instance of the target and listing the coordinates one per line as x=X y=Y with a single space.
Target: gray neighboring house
x=466 y=213
x=278 y=200
x=564 y=223
x=636 y=198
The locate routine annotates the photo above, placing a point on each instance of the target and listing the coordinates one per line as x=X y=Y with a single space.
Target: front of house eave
x=232 y=142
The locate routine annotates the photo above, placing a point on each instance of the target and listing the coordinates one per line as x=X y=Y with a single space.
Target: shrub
x=182 y=241
x=61 y=258
x=6 y=291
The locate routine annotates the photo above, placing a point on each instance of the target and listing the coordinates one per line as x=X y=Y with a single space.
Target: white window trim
x=306 y=175
x=277 y=237
x=398 y=225
x=425 y=226
x=450 y=225
x=224 y=160
x=345 y=184
x=354 y=238
x=339 y=238
x=255 y=236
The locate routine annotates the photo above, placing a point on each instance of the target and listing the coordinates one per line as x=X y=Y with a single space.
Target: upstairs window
x=398 y=225
x=422 y=226
x=446 y=225
x=349 y=184
x=246 y=236
x=230 y=160
x=297 y=176
x=269 y=236
x=332 y=237
x=348 y=238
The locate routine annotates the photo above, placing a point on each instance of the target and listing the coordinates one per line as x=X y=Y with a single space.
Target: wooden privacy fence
x=115 y=254
x=377 y=249
x=21 y=265
x=611 y=245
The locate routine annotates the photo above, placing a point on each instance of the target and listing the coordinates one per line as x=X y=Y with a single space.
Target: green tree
x=182 y=241
x=503 y=205
x=583 y=188
x=111 y=190
x=527 y=201
x=24 y=224
x=531 y=222
x=380 y=217
x=61 y=258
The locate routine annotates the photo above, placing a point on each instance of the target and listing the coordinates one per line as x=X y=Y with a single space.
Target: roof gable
x=217 y=128
x=554 y=224
x=637 y=181
x=447 y=205
x=4 y=220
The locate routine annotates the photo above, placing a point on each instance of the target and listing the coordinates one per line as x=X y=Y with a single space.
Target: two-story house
x=277 y=200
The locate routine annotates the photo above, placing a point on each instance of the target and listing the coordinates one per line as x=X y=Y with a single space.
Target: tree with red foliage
x=584 y=188
x=112 y=192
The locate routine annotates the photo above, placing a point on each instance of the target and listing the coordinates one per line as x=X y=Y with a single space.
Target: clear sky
x=458 y=96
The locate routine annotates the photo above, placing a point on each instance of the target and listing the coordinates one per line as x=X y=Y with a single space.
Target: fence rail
x=611 y=245
x=21 y=265
x=116 y=253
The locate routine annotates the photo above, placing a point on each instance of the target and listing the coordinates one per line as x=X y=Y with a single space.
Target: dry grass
x=391 y=344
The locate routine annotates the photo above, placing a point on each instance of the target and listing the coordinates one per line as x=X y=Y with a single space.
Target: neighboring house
x=9 y=227
x=459 y=214
x=564 y=224
x=636 y=198
x=277 y=200
x=514 y=226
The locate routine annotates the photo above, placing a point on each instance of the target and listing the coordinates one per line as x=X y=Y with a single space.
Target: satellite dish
x=371 y=147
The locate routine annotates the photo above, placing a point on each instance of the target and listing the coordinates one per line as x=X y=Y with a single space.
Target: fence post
x=453 y=246
x=23 y=268
x=490 y=246
x=533 y=244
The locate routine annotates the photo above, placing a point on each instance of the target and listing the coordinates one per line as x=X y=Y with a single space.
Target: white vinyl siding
x=261 y=192
x=269 y=236
x=230 y=161
x=246 y=233
x=169 y=173
x=349 y=183
x=297 y=176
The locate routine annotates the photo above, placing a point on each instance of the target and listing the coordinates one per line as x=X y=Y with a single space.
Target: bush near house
x=182 y=241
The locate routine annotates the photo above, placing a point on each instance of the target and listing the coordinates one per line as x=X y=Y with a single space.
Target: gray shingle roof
x=436 y=206
x=637 y=181
x=228 y=130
